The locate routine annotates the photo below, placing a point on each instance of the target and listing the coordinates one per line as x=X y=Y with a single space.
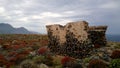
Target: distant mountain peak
x=5 y=24
x=22 y=28
x=8 y=29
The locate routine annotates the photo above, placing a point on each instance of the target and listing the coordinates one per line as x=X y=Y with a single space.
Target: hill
x=8 y=29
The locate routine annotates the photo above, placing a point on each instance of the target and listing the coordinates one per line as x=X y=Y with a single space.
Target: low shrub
x=86 y=60
x=56 y=60
x=117 y=46
x=28 y=64
x=67 y=61
x=48 y=60
x=115 y=54
x=77 y=66
x=42 y=50
x=115 y=63
x=39 y=59
x=96 y=63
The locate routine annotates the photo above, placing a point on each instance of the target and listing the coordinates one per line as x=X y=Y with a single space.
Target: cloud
x=50 y=14
x=24 y=19
x=35 y=14
x=110 y=5
x=69 y=12
x=2 y=10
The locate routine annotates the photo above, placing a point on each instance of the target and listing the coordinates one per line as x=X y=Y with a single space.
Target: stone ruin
x=75 y=39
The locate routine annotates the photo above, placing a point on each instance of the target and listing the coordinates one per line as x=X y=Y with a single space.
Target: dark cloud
x=35 y=14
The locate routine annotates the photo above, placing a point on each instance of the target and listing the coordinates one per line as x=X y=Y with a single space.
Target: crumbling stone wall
x=97 y=35
x=75 y=39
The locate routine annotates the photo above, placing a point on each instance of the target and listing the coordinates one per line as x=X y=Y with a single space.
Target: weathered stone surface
x=97 y=35
x=75 y=39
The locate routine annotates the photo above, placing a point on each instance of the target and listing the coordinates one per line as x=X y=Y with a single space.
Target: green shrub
x=28 y=64
x=56 y=60
x=86 y=60
x=58 y=66
x=115 y=63
x=48 y=60
x=35 y=47
x=39 y=59
x=117 y=46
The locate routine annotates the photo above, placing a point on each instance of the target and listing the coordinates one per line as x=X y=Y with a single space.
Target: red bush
x=12 y=53
x=17 y=58
x=96 y=63
x=3 y=60
x=115 y=54
x=25 y=52
x=7 y=47
x=15 y=47
x=42 y=50
x=65 y=60
x=1 y=56
x=9 y=64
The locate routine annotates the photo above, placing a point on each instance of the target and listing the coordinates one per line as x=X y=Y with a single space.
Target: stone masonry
x=75 y=39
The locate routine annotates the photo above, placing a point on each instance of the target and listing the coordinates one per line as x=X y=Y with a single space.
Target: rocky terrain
x=75 y=45
x=31 y=51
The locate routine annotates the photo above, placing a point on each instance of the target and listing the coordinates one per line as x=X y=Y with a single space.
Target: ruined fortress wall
x=75 y=39
x=78 y=29
x=97 y=35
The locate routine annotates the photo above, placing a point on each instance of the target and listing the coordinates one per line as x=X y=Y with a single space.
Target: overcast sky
x=35 y=14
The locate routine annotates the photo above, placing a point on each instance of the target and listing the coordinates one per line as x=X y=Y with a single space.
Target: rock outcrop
x=75 y=39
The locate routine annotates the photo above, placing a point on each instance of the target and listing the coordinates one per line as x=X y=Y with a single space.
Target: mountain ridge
x=9 y=29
